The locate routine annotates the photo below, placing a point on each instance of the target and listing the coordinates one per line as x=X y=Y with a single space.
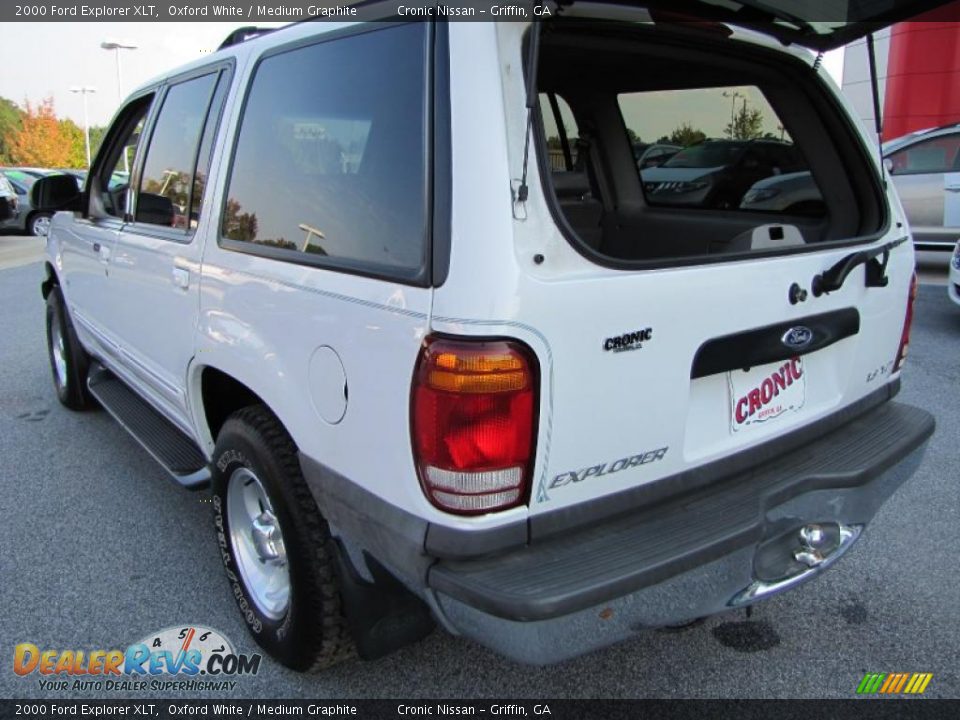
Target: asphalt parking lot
x=98 y=549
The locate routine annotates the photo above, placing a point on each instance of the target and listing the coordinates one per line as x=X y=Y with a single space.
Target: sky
x=71 y=56
x=46 y=59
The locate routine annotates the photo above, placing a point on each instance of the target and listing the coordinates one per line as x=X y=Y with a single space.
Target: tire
x=69 y=362
x=39 y=224
x=256 y=468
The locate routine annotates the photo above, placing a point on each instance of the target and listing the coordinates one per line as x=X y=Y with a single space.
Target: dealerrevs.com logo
x=184 y=658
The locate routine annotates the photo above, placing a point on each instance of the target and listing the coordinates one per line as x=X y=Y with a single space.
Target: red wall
x=923 y=74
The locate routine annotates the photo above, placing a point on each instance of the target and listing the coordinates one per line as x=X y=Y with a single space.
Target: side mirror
x=56 y=192
x=155 y=209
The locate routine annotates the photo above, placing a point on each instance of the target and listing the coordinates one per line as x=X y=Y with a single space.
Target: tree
x=686 y=135
x=96 y=139
x=746 y=125
x=237 y=225
x=633 y=137
x=78 y=150
x=41 y=140
x=10 y=123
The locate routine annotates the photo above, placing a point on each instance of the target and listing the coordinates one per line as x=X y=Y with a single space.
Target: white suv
x=397 y=293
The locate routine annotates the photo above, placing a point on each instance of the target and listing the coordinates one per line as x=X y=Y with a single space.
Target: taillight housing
x=907 y=322
x=474 y=412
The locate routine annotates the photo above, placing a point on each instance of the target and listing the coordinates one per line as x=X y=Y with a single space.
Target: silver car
x=925 y=167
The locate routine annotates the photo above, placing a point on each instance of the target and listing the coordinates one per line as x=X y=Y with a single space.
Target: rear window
x=330 y=163
x=661 y=151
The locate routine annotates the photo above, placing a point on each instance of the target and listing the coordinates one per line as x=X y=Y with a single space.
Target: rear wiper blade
x=876 y=270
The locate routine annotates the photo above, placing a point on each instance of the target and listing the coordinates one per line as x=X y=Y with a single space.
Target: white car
x=953 y=285
x=430 y=379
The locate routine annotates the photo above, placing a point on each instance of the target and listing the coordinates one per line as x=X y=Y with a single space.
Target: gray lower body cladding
x=691 y=554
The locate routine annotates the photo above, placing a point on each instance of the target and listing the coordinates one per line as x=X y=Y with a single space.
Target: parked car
x=654 y=154
x=717 y=173
x=953 y=285
x=8 y=202
x=793 y=193
x=27 y=218
x=925 y=167
x=546 y=421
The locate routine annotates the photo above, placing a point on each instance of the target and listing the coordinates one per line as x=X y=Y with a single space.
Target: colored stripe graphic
x=894 y=683
x=870 y=683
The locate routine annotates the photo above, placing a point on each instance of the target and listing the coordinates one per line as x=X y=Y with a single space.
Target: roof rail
x=241 y=34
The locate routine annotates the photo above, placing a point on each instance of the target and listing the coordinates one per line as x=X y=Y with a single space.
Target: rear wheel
x=39 y=224
x=69 y=362
x=275 y=545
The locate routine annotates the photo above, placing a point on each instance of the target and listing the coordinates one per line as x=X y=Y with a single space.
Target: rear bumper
x=716 y=537
x=700 y=553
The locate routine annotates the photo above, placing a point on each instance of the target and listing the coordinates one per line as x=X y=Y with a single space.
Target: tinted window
x=560 y=128
x=330 y=160
x=936 y=155
x=168 y=170
x=206 y=152
x=731 y=151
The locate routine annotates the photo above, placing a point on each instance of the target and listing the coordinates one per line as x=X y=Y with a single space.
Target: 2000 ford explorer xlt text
x=401 y=295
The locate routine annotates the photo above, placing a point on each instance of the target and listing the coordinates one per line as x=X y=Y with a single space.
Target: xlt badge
x=628 y=341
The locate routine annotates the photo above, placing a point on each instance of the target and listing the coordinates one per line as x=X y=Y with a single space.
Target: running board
x=177 y=453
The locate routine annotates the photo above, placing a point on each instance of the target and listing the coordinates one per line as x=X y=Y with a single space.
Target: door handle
x=953 y=188
x=181 y=277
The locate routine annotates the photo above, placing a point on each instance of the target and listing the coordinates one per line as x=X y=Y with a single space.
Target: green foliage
x=11 y=121
x=747 y=124
x=73 y=135
x=685 y=135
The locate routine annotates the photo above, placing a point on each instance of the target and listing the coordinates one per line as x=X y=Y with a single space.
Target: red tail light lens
x=474 y=416
x=907 y=322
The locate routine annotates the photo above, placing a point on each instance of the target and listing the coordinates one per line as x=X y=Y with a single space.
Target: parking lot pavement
x=933 y=267
x=17 y=250
x=99 y=550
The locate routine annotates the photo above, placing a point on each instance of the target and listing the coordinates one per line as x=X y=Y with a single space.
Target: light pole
x=733 y=103
x=85 y=90
x=117 y=46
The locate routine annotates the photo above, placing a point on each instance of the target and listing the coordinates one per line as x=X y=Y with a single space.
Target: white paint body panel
x=261 y=321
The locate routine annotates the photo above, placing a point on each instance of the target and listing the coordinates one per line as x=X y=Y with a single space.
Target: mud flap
x=383 y=616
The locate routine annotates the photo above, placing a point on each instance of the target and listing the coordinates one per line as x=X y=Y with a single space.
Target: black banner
x=256 y=11
x=547 y=709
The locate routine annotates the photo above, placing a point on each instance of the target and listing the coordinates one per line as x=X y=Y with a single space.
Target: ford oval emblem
x=797 y=337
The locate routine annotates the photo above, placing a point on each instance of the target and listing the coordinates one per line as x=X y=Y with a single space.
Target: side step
x=178 y=454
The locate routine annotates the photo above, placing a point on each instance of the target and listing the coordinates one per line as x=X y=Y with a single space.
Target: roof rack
x=242 y=34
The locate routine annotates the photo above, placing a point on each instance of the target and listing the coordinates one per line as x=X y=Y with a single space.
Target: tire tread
x=331 y=642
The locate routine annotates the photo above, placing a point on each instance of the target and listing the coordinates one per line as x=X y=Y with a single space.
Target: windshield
x=706 y=155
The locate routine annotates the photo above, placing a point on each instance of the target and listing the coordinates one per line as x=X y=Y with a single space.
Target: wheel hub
x=256 y=539
x=267 y=539
x=58 y=353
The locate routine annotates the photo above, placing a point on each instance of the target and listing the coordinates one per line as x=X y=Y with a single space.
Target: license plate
x=765 y=394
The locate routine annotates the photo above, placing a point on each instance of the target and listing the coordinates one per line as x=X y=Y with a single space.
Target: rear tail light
x=474 y=417
x=907 y=322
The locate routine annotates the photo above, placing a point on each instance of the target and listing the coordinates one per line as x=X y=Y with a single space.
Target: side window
x=936 y=155
x=205 y=153
x=331 y=166
x=718 y=148
x=116 y=158
x=560 y=130
x=167 y=178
